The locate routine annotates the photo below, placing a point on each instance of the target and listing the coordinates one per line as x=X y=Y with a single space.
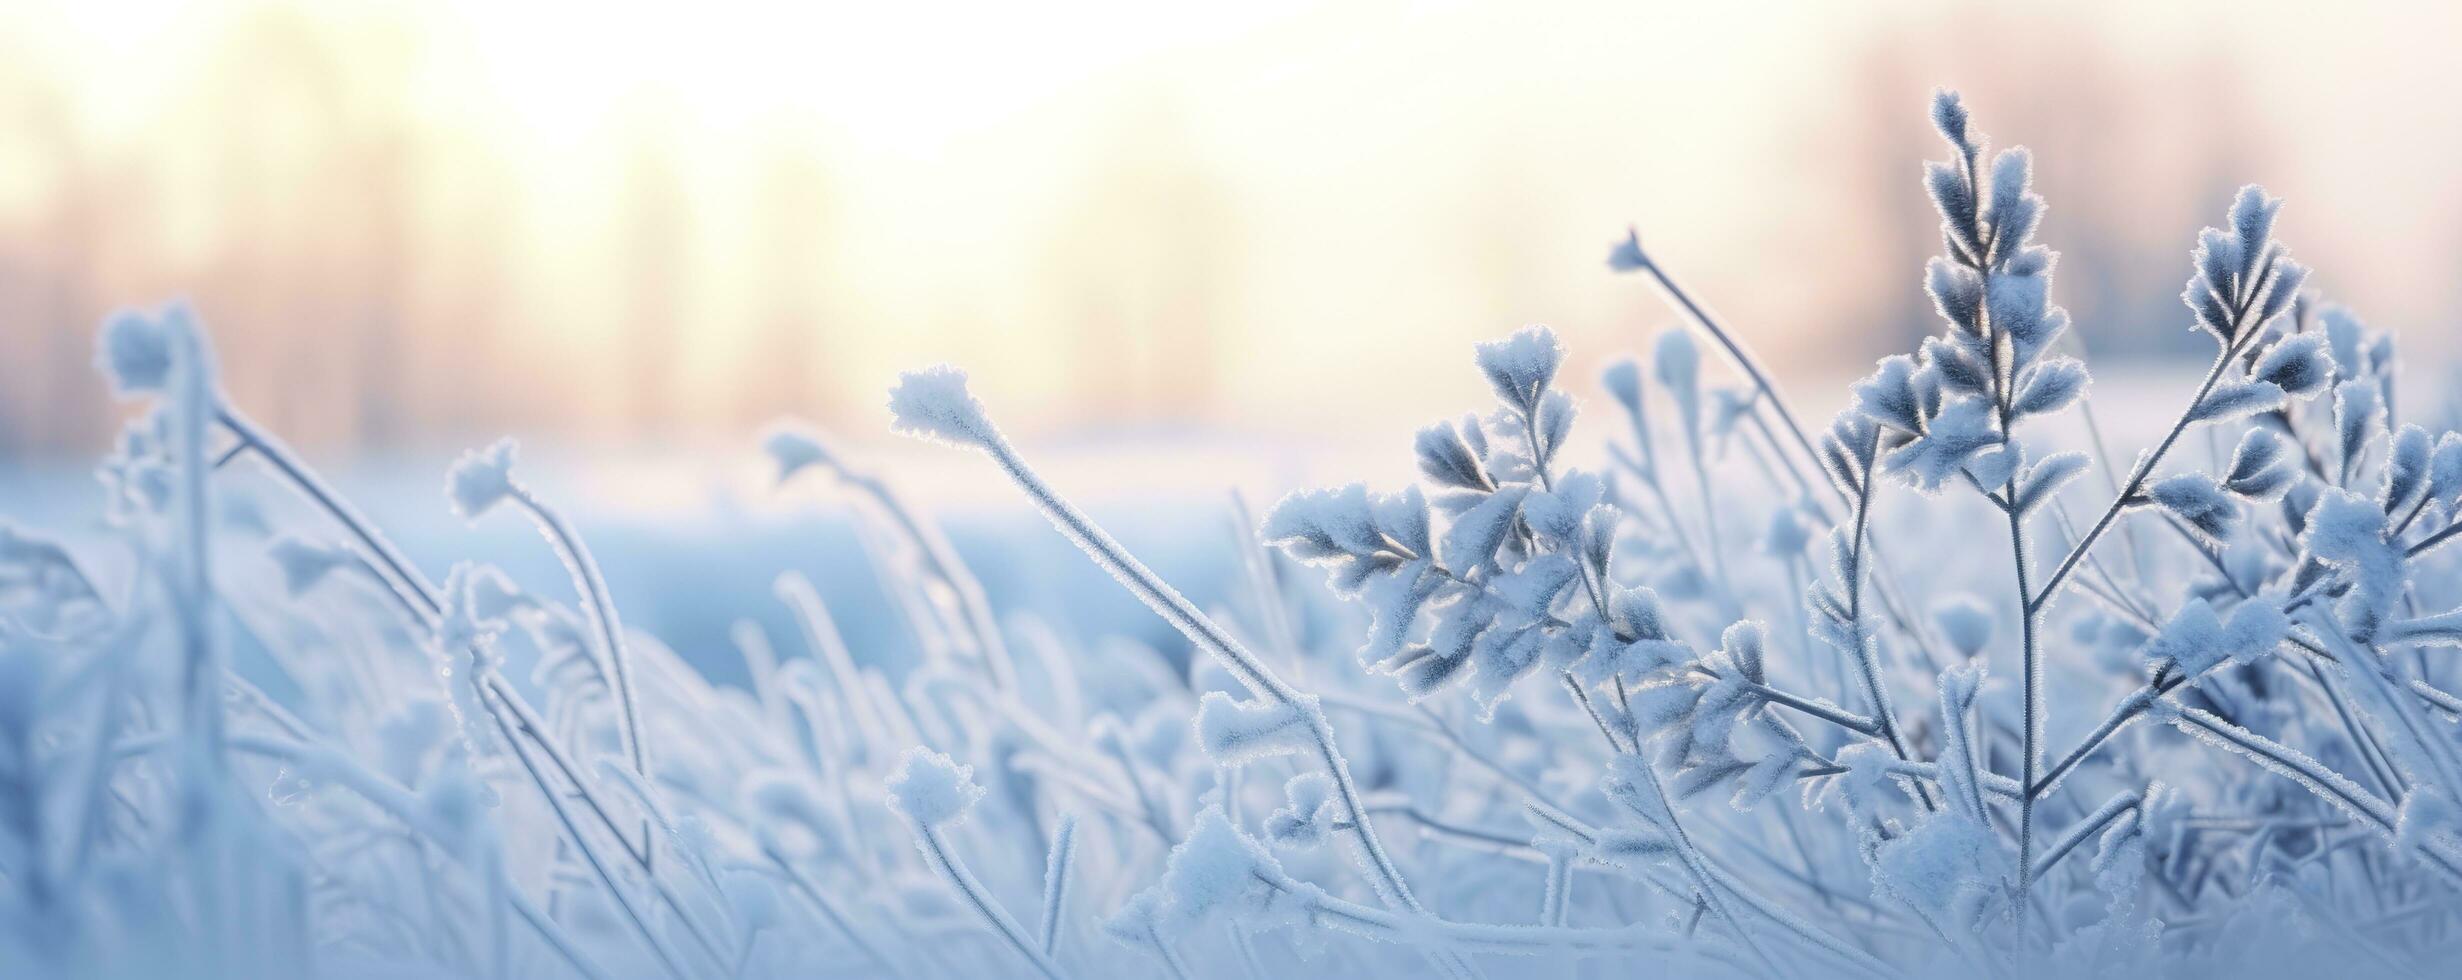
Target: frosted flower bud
x=795 y=448
x=930 y=788
x=933 y=404
x=481 y=479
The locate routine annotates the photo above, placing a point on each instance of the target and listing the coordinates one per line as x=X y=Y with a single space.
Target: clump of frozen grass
x=1744 y=697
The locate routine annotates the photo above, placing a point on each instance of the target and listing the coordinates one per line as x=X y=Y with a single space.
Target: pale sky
x=1270 y=217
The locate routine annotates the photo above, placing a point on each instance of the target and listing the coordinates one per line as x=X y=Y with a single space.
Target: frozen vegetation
x=1941 y=687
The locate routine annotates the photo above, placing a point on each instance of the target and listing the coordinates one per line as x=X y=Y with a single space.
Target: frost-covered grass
x=1943 y=687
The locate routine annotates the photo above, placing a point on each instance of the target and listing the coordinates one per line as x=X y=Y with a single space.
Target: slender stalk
x=2093 y=824
x=601 y=609
x=1058 y=866
x=947 y=864
x=1209 y=636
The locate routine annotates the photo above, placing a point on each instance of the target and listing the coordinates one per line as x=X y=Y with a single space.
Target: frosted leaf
x=1887 y=396
x=1960 y=431
x=2260 y=469
x=2197 y=640
x=2346 y=338
x=2045 y=478
x=2445 y=470
x=1955 y=201
x=1520 y=367
x=1993 y=467
x=1678 y=364
x=2050 y=386
x=2357 y=405
x=136 y=351
x=1447 y=459
x=795 y=447
x=480 y=479
x=1960 y=371
x=1555 y=423
x=1957 y=294
x=1965 y=622
x=1558 y=514
x=2014 y=209
x=2406 y=469
x=1949 y=869
x=1746 y=643
x=1308 y=813
x=1532 y=588
x=1423 y=671
x=1324 y=523
x=1215 y=868
x=2347 y=531
x=1472 y=539
x=2288 y=277
x=931 y=789
x=1628 y=660
x=1237 y=732
x=2016 y=302
x=2252 y=222
x=2237 y=399
x=933 y=403
x=2298 y=364
x=1764 y=779
x=1949 y=117
x=2200 y=502
x=1498 y=659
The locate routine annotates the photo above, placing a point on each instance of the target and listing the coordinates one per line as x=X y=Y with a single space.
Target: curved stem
x=601 y=609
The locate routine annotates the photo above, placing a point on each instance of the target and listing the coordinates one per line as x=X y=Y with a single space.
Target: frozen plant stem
x=936 y=849
x=602 y=613
x=970 y=428
x=1057 y=867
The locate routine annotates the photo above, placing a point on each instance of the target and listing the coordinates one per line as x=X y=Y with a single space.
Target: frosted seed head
x=137 y=351
x=933 y=403
x=931 y=789
x=481 y=479
x=795 y=447
x=1626 y=255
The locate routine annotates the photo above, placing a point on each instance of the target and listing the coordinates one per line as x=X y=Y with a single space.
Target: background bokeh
x=415 y=225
